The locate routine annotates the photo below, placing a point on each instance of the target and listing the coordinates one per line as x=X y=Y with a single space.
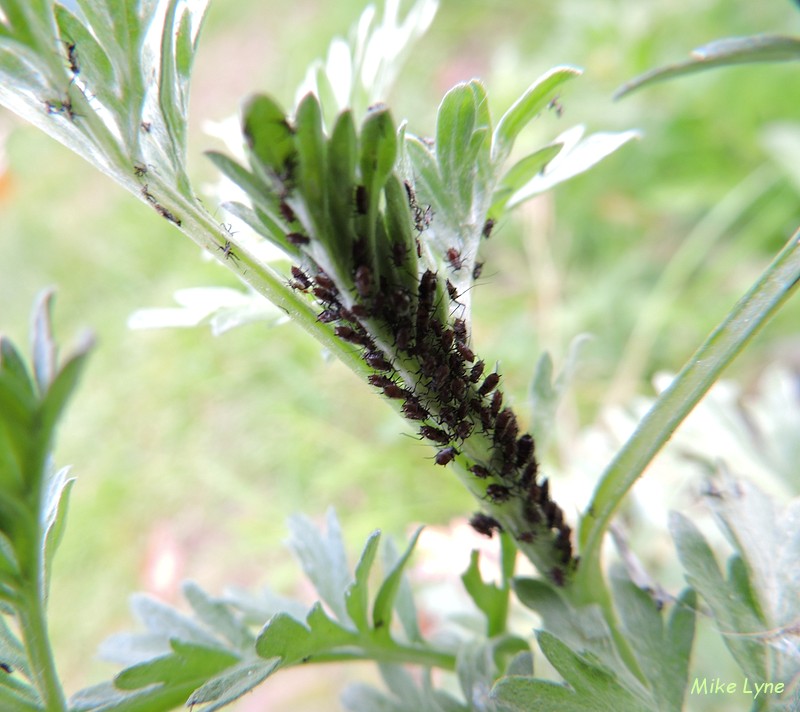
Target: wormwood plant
x=381 y=230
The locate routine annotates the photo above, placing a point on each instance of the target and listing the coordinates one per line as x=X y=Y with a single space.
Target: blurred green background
x=190 y=450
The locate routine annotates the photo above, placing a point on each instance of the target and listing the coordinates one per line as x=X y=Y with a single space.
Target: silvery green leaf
x=526 y=108
x=54 y=514
x=323 y=559
x=231 y=684
x=592 y=686
x=578 y=155
x=223 y=308
x=547 y=392
x=720 y=53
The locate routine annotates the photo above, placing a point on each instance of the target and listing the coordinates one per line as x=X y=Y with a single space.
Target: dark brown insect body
x=489 y=384
x=446 y=455
x=166 y=214
x=297 y=238
x=484 y=524
x=479 y=471
x=72 y=57
x=363 y=281
x=301 y=280
x=431 y=433
x=454 y=258
x=377 y=361
x=362 y=200
x=498 y=493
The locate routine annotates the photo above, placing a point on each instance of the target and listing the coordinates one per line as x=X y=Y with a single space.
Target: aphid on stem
x=287 y=212
x=300 y=279
x=479 y=471
x=324 y=281
x=454 y=258
x=362 y=200
x=476 y=372
x=72 y=57
x=445 y=455
x=297 y=238
x=379 y=381
x=147 y=195
x=413 y=410
x=484 y=524
x=431 y=433
x=227 y=251
x=377 y=361
x=166 y=214
x=326 y=316
x=498 y=493
x=489 y=384
x=363 y=281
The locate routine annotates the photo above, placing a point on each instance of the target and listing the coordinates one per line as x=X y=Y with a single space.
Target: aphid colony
x=448 y=393
x=355 y=230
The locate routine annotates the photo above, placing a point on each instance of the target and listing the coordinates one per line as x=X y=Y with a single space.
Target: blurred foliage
x=583 y=259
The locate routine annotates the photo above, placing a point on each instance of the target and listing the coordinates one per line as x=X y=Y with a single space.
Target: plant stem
x=772 y=289
x=33 y=623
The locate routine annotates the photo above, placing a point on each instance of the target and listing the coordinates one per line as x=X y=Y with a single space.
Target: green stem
x=33 y=623
x=763 y=300
x=508 y=558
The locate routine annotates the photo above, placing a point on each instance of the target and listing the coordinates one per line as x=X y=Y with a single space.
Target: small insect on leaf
x=362 y=200
x=72 y=57
x=287 y=212
x=363 y=281
x=297 y=238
